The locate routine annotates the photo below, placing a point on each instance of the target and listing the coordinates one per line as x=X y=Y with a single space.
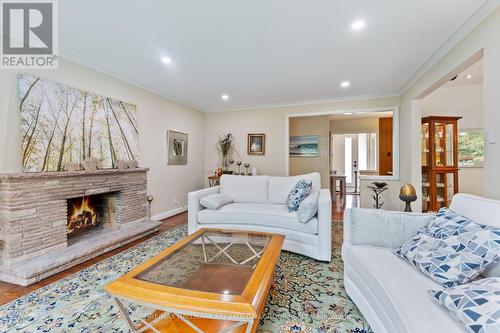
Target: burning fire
x=83 y=215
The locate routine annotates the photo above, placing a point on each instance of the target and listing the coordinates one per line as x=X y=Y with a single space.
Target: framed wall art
x=256 y=144
x=177 y=147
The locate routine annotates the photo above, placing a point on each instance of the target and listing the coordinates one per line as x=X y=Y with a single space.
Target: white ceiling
x=476 y=76
x=361 y=115
x=259 y=52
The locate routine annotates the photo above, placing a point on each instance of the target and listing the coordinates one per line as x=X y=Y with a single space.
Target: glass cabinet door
x=441 y=190
x=425 y=145
x=444 y=144
x=426 y=196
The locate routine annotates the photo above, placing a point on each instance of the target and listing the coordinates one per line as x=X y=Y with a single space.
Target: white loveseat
x=259 y=205
x=390 y=293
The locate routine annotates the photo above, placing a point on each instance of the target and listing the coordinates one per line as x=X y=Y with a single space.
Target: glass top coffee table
x=212 y=281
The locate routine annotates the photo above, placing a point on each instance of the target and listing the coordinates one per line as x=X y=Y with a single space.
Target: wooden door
x=385 y=146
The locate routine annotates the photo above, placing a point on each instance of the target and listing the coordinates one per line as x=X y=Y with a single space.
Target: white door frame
x=395 y=135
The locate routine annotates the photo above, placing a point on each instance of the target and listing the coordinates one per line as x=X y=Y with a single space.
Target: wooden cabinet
x=439 y=161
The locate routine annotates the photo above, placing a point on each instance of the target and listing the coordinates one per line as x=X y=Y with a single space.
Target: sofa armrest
x=194 y=205
x=381 y=228
x=325 y=225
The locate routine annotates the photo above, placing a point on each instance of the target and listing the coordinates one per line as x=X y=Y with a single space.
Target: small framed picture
x=256 y=144
x=177 y=147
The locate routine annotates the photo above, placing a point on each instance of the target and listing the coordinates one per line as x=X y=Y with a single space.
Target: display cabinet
x=439 y=161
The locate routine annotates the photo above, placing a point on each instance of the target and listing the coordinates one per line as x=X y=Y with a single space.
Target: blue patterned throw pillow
x=452 y=250
x=476 y=304
x=299 y=193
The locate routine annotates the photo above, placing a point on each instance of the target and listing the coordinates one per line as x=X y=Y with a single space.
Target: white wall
x=465 y=101
x=483 y=37
x=155 y=114
x=272 y=122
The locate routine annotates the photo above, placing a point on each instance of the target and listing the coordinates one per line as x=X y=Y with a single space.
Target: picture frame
x=256 y=144
x=177 y=148
x=471 y=148
x=304 y=146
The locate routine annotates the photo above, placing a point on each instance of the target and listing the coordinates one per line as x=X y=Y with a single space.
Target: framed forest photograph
x=61 y=125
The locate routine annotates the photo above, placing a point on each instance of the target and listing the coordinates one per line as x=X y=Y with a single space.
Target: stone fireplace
x=54 y=220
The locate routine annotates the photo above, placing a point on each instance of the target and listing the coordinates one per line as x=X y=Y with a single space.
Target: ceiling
x=259 y=53
x=361 y=115
x=472 y=76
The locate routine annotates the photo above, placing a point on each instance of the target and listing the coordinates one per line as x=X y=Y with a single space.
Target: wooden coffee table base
x=161 y=321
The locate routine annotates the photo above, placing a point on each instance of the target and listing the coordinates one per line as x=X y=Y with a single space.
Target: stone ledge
x=33 y=270
x=58 y=174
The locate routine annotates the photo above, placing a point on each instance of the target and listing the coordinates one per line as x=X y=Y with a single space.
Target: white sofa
x=390 y=293
x=259 y=205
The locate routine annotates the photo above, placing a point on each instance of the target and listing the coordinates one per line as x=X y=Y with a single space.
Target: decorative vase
x=408 y=194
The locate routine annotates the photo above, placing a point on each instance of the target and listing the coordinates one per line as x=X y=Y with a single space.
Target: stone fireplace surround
x=33 y=218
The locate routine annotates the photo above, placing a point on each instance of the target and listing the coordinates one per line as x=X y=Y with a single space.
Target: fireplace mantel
x=5 y=176
x=33 y=219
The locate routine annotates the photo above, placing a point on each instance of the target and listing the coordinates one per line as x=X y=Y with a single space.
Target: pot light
x=358 y=25
x=345 y=84
x=347 y=113
x=166 y=60
x=469 y=76
x=224 y=97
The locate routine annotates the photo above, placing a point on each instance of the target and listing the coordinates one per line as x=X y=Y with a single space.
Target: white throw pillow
x=397 y=227
x=215 y=201
x=308 y=207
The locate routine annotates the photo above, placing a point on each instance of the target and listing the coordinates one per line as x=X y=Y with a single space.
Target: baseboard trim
x=169 y=213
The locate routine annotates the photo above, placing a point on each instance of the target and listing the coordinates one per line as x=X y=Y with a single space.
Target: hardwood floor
x=9 y=292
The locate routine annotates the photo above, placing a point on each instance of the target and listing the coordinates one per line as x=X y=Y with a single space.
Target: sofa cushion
x=257 y=214
x=215 y=201
x=280 y=187
x=384 y=228
x=250 y=189
x=452 y=256
x=476 y=304
x=308 y=208
x=393 y=287
x=480 y=210
x=300 y=191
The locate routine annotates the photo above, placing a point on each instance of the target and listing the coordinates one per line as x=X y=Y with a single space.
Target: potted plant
x=224 y=144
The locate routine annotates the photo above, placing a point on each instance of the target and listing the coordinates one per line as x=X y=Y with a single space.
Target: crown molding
x=100 y=69
x=484 y=11
x=306 y=102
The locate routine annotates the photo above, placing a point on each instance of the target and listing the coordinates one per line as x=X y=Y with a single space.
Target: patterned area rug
x=309 y=297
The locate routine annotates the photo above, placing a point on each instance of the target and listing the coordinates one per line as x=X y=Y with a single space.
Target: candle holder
x=246 y=165
x=231 y=162
x=149 y=199
x=238 y=163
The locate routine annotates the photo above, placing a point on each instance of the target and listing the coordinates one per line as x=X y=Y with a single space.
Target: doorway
x=351 y=154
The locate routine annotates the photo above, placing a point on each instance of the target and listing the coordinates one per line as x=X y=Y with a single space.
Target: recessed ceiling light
x=358 y=25
x=224 y=97
x=347 y=113
x=166 y=60
x=345 y=84
x=469 y=76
